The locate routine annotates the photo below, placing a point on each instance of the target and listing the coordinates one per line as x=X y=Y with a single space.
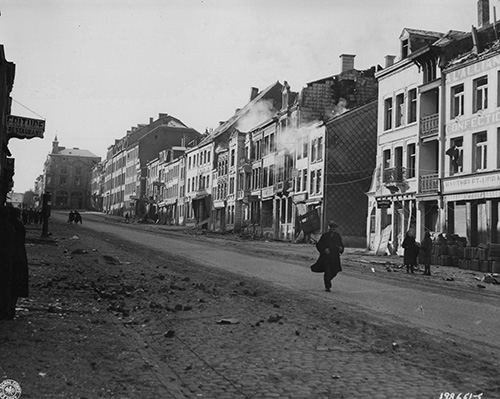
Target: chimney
x=151 y=119
x=347 y=62
x=483 y=13
x=221 y=123
x=55 y=146
x=253 y=93
x=389 y=60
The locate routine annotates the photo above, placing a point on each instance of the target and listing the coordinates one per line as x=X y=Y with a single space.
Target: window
x=400 y=106
x=480 y=151
x=62 y=180
x=405 y=48
x=208 y=156
x=299 y=181
x=387 y=159
x=231 y=185
x=304 y=149
x=480 y=93
x=411 y=162
x=318 y=181
x=320 y=148
x=388 y=113
x=311 y=188
x=232 y=157
x=273 y=143
x=412 y=105
x=304 y=180
x=299 y=148
x=313 y=150
x=457 y=101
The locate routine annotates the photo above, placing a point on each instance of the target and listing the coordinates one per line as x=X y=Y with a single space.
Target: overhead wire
x=29 y=109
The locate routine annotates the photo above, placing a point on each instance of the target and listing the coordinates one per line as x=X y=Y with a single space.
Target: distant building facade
x=67 y=175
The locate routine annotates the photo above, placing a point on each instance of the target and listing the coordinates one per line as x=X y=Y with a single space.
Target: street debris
x=450 y=279
x=75 y=237
x=491 y=278
x=79 y=251
x=228 y=321
x=42 y=374
x=111 y=260
x=274 y=318
x=395 y=345
x=169 y=334
x=481 y=286
x=335 y=376
x=373 y=269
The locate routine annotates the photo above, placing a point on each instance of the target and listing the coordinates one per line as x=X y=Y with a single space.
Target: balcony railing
x=240 y=194
x=429 y=183
x=429 y=125
x=394 y=175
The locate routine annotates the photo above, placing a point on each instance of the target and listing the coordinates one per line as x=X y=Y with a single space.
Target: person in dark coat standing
x=426 y=252
x=410 y=251
x=330 y=247
x=20 y=275
x=6 y=265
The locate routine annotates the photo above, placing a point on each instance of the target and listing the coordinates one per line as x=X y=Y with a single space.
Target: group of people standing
x=13 y=261
x=74 y=216
x=413 y=252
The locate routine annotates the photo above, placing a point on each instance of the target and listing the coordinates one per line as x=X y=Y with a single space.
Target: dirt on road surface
x=109 y=320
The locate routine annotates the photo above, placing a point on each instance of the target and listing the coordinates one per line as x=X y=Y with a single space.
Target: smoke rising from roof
x=260 y=112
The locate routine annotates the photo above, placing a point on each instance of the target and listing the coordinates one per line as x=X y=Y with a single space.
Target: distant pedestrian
x=78 y=217
x=410 y=251
x=330 y=247
x=71 y=217
x=426 y=252
x=127 y=218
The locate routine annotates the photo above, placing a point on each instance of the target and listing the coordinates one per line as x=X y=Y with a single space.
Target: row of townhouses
x=280 y=166
x=412 y=145
x=438 y=135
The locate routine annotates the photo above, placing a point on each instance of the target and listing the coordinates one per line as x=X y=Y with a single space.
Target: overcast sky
x=94 y=68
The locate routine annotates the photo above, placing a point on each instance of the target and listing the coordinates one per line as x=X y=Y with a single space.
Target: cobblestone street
x=107 y=320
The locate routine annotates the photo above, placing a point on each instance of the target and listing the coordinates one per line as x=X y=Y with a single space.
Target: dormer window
x=405 y=48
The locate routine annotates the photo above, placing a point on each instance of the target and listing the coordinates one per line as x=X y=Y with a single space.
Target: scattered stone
x=201 y=300
x=274 y=318
x=388 y=269
x=450 y=279
x=481 y=286
x=488 y=278
x=178 y=307
x=75 y=237
x=187 y=368
x=322 y=348
x=373 y=270
x=79 y=251
x=42 y=374
x=297 y=332
x=169 y=334
x=186 y=279
x=336 y=376
x=395 y=345
x=228 y=321
x=111 y=260
x=276 y=305
x=187 y=308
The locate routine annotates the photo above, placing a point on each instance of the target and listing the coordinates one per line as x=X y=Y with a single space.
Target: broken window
x=457 y=101
x=480 y=93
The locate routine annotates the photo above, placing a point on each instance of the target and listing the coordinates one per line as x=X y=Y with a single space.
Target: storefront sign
x=473 y=69
x=24 y=128
x=471 y=183
x=476 y=122
x=268 y=192
x=383 y=204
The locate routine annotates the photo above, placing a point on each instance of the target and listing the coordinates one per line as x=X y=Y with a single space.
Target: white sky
x=94 y=68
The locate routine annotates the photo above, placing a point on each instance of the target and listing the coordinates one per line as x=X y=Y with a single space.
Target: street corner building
x=67 y=175
x=438 y=156
x=7 y=72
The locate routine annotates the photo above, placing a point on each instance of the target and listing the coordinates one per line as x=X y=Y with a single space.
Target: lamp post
x=46 y=202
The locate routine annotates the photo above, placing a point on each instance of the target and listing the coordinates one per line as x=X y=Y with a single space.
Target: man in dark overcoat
x=330 y=247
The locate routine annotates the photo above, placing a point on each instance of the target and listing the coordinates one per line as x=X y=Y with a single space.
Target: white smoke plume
x=290 y=138
x=257 y=114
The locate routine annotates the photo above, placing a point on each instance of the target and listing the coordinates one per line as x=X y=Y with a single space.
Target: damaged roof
x=237 y=115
